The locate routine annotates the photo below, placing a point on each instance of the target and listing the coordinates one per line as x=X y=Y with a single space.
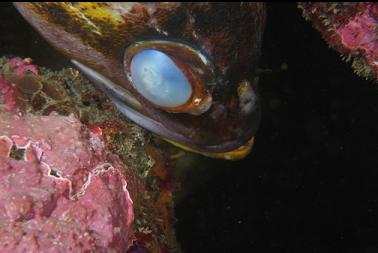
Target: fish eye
x=158 y=79
x=172 y=76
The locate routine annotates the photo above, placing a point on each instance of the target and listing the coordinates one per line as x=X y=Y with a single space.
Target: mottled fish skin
x=229 y=34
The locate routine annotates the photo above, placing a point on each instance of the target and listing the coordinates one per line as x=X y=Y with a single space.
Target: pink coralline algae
x=61 y=190
x=21 y=66
x=75 y=176
x=351 y=29
x=7 y=91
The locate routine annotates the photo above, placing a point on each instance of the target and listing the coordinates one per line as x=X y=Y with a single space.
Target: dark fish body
x=216 y=46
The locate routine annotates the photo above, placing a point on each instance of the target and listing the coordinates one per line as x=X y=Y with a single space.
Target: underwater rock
x=70 y=182
x=351 y=29
x=60 y=188
x=7 y=96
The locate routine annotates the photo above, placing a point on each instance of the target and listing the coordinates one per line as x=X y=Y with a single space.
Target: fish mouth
x=130 y=107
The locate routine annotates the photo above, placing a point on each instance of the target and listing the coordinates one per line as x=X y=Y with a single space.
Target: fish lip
x=130 y=107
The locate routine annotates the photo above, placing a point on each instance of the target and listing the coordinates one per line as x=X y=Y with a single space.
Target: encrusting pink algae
x=61 y=190
x=66 y=186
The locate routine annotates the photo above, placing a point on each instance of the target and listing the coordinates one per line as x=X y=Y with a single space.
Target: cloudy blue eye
x=157 y=78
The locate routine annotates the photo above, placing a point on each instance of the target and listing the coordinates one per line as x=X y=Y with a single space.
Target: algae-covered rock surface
x=74 y=174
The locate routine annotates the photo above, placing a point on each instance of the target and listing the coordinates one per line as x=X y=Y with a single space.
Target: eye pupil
x=156 y=77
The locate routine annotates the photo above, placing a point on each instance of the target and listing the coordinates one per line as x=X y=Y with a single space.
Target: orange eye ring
x=195 y=66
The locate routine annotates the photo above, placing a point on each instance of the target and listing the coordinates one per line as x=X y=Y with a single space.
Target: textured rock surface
x=60 y=190
x=351 y=29
x=67 y=138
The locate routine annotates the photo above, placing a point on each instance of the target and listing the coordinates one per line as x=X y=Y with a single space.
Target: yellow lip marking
x=235 y=154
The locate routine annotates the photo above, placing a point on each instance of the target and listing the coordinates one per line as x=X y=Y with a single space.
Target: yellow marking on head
x=90 y=13
x=100 y=11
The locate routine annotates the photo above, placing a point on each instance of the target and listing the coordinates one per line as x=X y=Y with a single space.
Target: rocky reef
x=351 y=29
x=74 y=175
x=60 y=188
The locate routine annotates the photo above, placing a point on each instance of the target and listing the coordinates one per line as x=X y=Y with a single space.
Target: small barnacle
x=65 y=108
x=54 y=90
x=17 y=153
x=54 y=173
x=27 y=84
x=38 y=102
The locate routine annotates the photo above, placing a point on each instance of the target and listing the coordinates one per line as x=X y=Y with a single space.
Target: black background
x=310 y=183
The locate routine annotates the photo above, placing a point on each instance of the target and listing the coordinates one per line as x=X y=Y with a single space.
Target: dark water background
x=311 y=181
